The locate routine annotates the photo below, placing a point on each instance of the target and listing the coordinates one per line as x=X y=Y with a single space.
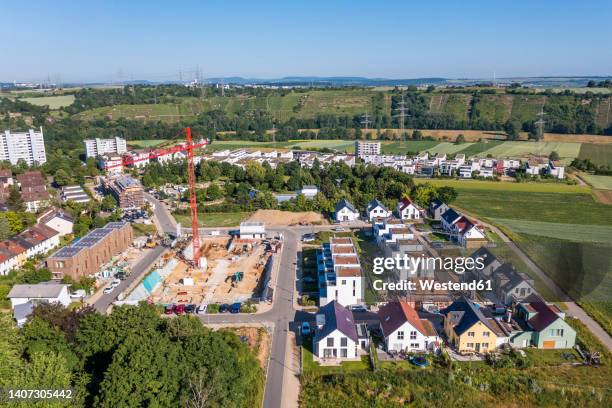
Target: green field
x=54 y=102
x=215 y=219
x=448 y=148
x=495 y=186
x=408 y=146
x=535 y=206
x=478 y=148
x=146 y=143
x=570 y=232
x=522 y=149
x=600 y=182
x=600 y=154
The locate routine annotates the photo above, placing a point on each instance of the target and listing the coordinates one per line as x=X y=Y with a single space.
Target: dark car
x=235 y=308
x=190 y=308
x=179 y=309
x=169 y=309
x=224 y=308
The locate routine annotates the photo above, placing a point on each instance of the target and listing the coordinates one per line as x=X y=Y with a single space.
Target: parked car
x=201 y=309
x=169 y=309
x=235 y=308
x=224 y=308
x=179 y=309
x=108 y=290
x=305 y=328
x=308 y=238
x=339 y=229
x=190 y=308
x=358 y=308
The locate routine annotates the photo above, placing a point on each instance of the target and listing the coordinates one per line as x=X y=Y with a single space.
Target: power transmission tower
x=365 y=121
x=540 y=123
x=401 y=109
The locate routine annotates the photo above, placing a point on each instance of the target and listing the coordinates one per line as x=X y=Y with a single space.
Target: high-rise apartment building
x=100 y=147
x=28 y=146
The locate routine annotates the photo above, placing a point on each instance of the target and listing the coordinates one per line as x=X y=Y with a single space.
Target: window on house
x=330 y=342
x=413 y=335
x=556 y=332
x=485 y=334
x=469 y=345
x=414 y=345
x=343 y=281
x=485 y=345
x=343 y=342
x=343 y=353
x=400 y=335
x=471 y=334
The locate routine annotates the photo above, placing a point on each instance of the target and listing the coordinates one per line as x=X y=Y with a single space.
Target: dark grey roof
x=471 y=314
x=337 y=317
x=376 y=203
x=487 y=256
x=22 y=311
x=345 y=203
x=450 y=215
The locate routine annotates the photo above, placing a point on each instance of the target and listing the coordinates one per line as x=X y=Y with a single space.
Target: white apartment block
x=28 y=146
x=339 y=271
x=99 y=147
x=366 y=148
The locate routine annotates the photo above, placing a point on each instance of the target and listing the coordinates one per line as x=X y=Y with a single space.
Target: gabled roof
x=337 y=317
x=376 y=203
x=406 y=202
x=469 y=315
x=344 y=203
x=435 y=204
x=544 y=317
x=487 y=256
x=53 y=213
x=40 y=290
x=394 y=314
x=451 y=216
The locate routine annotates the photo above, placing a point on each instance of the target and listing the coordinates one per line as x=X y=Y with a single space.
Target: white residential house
x=336 y=334
x=467 y=232
x=376 y=209
x=112 y=164
x=39 y=293
x=339 y=272
x=57 y=219
x=403 y=329
x=407 y=210
x=345 y=211
x=486 y=172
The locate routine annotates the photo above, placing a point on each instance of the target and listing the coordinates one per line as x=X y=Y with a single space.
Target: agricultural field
x=164 y=112
x=146 y=143
x=570 y=232
x=566 y=150
x=600 y=182
x=478 y=148
x=495 y=186
x=54 y=102
x=526 y=107
x=494 y=108
x=600 y=154
x=549 y=207
x=408 y=146
x=448 y=148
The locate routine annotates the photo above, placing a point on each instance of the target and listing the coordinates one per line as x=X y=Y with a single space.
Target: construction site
x=231 y=270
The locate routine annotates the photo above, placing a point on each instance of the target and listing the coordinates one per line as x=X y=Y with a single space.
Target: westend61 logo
x=422 y=265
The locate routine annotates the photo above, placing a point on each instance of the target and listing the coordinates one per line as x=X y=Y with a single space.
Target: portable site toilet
x=239 y=276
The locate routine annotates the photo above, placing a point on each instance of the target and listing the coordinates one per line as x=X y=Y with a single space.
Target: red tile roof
x=394 y=314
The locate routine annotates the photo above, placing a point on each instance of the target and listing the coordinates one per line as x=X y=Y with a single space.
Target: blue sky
x=95 y=40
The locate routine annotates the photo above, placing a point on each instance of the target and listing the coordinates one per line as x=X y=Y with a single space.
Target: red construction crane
x=127 y=160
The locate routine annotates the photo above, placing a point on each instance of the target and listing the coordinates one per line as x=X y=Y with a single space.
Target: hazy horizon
x=112 y=41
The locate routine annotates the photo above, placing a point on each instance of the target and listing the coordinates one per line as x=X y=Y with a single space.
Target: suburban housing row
x=466 y=326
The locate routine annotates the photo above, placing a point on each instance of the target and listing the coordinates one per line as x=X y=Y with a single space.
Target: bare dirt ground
x=216 y=283
x=276 y=217
x=603 y=196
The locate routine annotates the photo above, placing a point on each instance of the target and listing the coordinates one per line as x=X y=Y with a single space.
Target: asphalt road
x=138 y=270
x=164 y=218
